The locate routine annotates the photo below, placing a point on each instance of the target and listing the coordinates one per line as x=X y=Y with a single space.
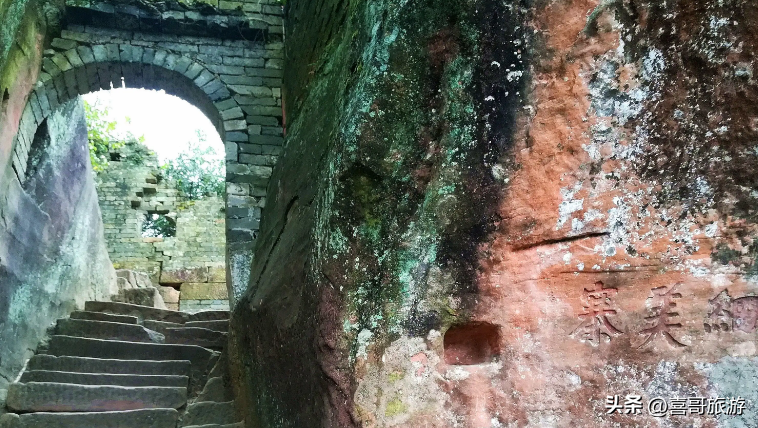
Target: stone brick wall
x=193 y=260
x=224 y=58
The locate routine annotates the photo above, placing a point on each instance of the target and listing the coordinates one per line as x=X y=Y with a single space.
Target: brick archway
x=235 y=83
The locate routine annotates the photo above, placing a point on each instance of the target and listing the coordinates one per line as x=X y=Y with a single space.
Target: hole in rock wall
x=471 y=343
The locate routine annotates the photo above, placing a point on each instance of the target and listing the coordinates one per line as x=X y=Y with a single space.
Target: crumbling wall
x=508 y=214
x=191 y=261
x=52 y=249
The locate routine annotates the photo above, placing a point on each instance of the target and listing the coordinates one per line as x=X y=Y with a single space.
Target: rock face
x=490 y=214
x=52 y=250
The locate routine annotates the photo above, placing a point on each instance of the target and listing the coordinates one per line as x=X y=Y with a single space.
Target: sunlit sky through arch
x=168 y=123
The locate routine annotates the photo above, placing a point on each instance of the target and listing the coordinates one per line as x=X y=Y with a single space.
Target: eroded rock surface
x=52 y=250
x=499 y=214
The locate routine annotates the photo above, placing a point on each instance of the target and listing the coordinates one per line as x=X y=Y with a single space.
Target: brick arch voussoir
x=88 y=68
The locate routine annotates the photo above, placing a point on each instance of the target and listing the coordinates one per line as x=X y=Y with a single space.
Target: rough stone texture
x=498 y=214
x=225 y=61
x=148 y=418
x=130 y=188
x=63 y=397
x=52 y=251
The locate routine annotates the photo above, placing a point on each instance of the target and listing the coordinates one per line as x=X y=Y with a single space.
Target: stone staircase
x=118 y=365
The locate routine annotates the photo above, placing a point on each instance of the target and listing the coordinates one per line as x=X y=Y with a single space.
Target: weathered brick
x=112 y=52
x=257 y=91
x=272 y=130
x=250 y=148
x=262 y=160
x=242 y=80
x=193 y=70
x=263 y=72
x=182 y=64
x=61 y=62
x=179 y=47
x=271 y=150
x=222 y=50
x=204 y=77
x=230 y=149
x=226 y=69
x=262 y=120
x=100 y=53
x=236 y=136
x=63 y=44
x=86 y=54
x=233 y=113
x=225 y=104
x=257 y=61
x=247 y=100
x=263 y=111
x=234 y=125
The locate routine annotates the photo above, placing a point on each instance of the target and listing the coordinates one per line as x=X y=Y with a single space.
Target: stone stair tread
x=107 y=330
x=236 y=425
x=201 y=358
x=61 y=345
x=109 y=366
x=144 y=418
x=101 y=316
x=64 y=397
x=103 y=378
x=141 y=312
x=217 y=325
x=196 y=336
x=209 y=413
x=208 y=316
x=159 y=326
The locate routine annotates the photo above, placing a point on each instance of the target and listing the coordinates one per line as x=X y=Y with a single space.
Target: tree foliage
x=102 y=135
x=158 y=226
x=196 y=173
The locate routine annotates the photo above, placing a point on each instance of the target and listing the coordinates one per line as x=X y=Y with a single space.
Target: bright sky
x=168 y=123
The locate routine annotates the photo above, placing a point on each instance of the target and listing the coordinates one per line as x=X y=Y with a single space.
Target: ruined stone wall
x=508 y=214
x=192 y=261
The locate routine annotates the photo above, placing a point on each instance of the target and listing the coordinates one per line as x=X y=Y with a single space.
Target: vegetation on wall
x=103 y=138
x=197 y=172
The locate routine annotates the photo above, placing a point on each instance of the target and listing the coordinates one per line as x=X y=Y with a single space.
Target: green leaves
x=102 y=135
x=196 y=173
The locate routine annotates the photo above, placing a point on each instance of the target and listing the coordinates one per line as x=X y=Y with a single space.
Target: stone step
x=209 y=413
x=202 y=359
x=160 y=326
x=103 y=379
x=141 y=312
x=146 y=418
x=107 y=330
x=217 y=325
x=196 y=336
x=237 y=425
x=109 y=366
x=208 y=316
x=64 y=397
x=100 y=316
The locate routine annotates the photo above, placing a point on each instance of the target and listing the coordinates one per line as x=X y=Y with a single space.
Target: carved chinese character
x=661 y=312
x=719 y=316
x=745 y=313
x=596 y=306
